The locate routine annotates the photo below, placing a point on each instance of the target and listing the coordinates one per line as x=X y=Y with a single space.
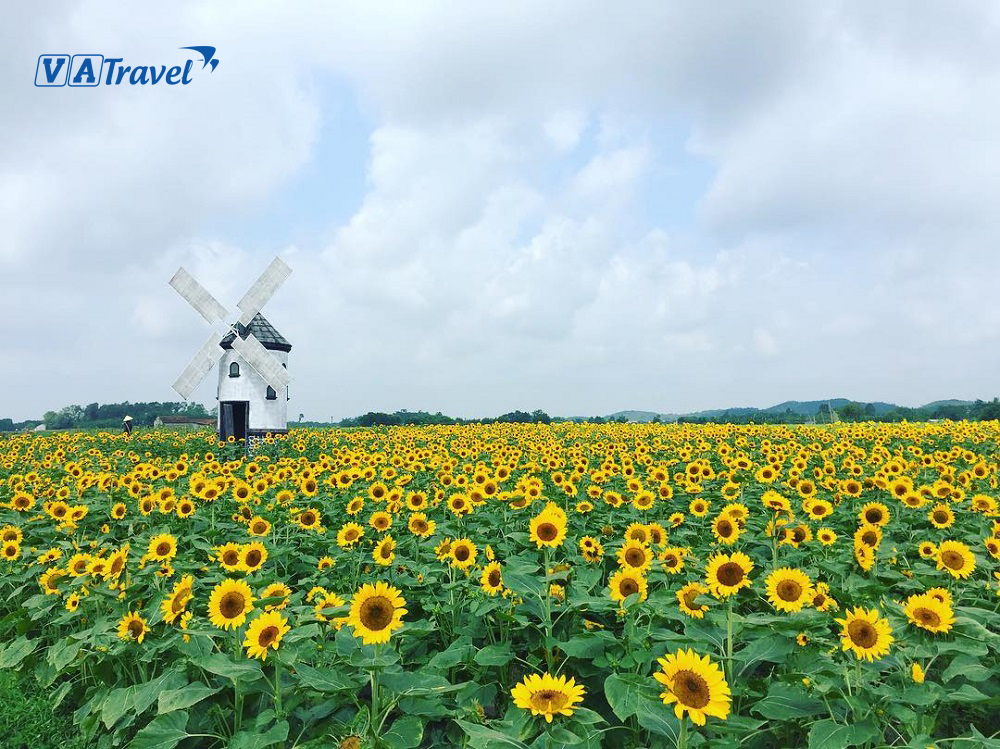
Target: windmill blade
x=198 y=297
x=258 y=294
x=203 y=362
x=258 y=357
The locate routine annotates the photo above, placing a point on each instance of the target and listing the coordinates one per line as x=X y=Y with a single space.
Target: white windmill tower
x=252 y=357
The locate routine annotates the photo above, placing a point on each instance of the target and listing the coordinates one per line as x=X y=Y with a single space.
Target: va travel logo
x=93 y=70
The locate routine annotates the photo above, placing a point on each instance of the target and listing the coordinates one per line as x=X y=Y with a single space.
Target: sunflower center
x=231 y=558
x=789 y=590
x=180 y=601
x=869 y=538
x=627 y=587
x=232 y=604
x=351 y=535
x=162 y=549
x=730 y=574
x=253 y=557
x=259 y=528
x=725 y=528
x=691 y=598
x=385 y=551
x=691 y=689
x=927 y=617
x=548 y=700
x=461 y=553
x=941 y=517
x=135 y=629
x=635 y=557
x=547 y=532
x=494 y=578
x=862 y=634
x=267 y=636
x=376 y=613
x=419 y=526
x=952 y=560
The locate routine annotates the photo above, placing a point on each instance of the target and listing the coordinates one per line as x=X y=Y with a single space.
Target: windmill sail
x=203 y=362
x=198 y=297
x=258 y=357
x=262 y=289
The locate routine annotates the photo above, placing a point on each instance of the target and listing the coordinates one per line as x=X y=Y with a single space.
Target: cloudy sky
x=574 y=206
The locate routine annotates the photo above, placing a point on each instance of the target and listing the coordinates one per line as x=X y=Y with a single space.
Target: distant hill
x=946 y=403
x=811 y=408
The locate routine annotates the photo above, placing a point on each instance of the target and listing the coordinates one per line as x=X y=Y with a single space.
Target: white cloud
x=510 y=247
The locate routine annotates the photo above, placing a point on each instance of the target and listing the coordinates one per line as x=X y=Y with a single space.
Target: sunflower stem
x=277 y=688
x=682 y=737
x=373 y=718
x=729 y=639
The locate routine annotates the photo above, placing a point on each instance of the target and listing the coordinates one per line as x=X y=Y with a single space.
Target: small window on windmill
x=271 y=395
x=234 y=369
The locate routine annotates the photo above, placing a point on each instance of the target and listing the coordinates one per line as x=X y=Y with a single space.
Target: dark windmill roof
x=263 y=331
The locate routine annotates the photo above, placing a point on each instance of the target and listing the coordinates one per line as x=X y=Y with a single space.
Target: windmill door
x=234 y=419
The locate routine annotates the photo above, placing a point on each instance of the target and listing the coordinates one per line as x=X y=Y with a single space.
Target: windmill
x=251 y=356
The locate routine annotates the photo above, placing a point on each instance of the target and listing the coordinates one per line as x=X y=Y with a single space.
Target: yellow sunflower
x=941 y=516
x=349 y=534
x=162 y=547
x=253 y=556
x=174 y=605
x=491 y=580
x=265 y=632
x=627 y=582
x=132 y=627
x=278 y=591
x=376 y=611
x=929 y=613
x=547 y=695
x=789 y=589
x=635 y=556
x=230 y=556
x=687 y=597
x=463 y=553
x=229 y=604
x=865 y=633
x=957 y=558
x=385 y=551
x=694 y=685
x=728 y=573
x=725 y=529
x=548 y=529
x=420 y=526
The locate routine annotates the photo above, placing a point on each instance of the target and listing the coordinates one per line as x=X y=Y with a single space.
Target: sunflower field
x=510 y=586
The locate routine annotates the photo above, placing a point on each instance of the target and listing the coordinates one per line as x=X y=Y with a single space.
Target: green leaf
x=481 y=736
x=163 y=732
x=658 y=718
x=785 y=701
x=179 y=699
x=626 y=691
x=137 y=698
x=417 y=684
x=969 y=667
x=826 y=734
x=965 y=693
x=588 y=645
x=404 y=733
x=62 y=653
x=325 y=679
x=494 y=655
x=250 y=739
x=222 y=665
x=771 y=648
x=456 y=653
x=16 y=652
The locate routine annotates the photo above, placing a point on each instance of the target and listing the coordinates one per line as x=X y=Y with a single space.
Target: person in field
x=127 y=426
